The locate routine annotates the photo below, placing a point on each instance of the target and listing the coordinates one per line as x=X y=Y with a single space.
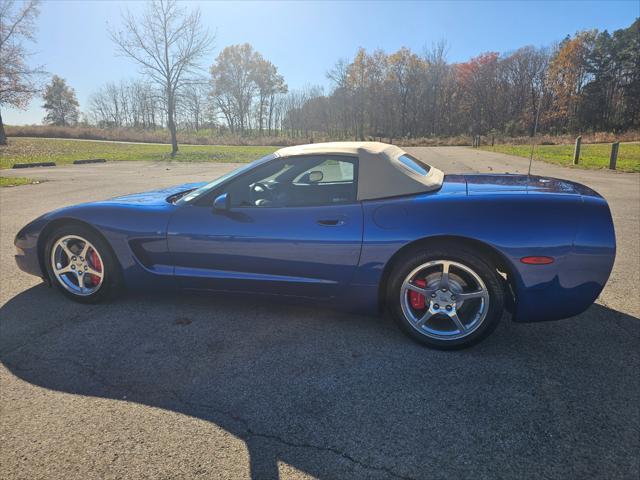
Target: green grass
x=32 y=150
x=15 y=181
x=591 y=155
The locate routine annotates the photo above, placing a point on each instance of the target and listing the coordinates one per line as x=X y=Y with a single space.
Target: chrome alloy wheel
x=77 y=265
x=455 y=303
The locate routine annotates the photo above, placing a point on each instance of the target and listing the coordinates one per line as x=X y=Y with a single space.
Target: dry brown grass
x=203 y=137
x=208 y=137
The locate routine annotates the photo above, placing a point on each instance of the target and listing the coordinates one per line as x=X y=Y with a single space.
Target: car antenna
x=533 y=138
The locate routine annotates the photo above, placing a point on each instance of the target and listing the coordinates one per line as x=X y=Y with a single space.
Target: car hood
x=154 y=197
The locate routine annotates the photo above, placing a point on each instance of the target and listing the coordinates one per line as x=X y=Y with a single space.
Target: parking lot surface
x=202 y=386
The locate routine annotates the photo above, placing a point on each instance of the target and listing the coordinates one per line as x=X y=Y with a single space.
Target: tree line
x=590 y=81
x=587 y=82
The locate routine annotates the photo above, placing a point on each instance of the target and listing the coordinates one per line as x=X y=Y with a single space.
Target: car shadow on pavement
x=338 y=395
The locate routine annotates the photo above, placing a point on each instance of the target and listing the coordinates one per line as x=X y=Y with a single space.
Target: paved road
x=185 y=386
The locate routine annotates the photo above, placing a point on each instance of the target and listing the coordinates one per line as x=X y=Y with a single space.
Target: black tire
x=110 y=269
x=462 y=255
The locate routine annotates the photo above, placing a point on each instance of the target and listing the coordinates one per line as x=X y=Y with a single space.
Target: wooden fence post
x=614 y=155
x=576 y=150
x=493 y=139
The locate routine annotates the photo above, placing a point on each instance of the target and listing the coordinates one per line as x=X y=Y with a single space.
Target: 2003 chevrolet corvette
x=360 y=225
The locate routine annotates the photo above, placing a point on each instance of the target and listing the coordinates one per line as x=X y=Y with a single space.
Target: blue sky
x=304 y=39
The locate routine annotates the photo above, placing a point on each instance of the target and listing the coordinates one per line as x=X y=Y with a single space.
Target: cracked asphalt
x=203 y=386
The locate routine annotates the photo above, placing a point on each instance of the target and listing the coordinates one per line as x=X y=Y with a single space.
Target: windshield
x=198 y=192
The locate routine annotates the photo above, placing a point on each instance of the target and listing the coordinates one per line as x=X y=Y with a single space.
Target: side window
x=413 y=164
x=297 y=182
x=257 y=187
x=331 y=170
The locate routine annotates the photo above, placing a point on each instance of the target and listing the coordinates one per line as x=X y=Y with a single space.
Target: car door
x=274 y=238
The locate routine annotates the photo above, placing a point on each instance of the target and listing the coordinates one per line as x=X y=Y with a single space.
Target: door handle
x=331 y=222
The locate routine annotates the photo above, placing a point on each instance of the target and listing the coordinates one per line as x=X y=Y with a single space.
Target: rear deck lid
x=518 y=184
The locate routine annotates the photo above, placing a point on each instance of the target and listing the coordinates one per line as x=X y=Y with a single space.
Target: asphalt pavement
x=202 y=386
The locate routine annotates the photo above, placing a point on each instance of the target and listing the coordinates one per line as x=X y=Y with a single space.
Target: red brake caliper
x=417 y=300
x=95 y=260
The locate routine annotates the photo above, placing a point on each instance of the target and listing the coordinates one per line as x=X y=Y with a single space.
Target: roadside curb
x=93 y=160
x=53 y=164
x=32 y=165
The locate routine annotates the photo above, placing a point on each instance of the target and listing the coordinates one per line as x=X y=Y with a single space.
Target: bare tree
x=167 y=43
x=269 y=83
x=18 y=82
x=195 y=103
x=524 y=71
x=436 y=59
x=131 y=103
x=106 y=105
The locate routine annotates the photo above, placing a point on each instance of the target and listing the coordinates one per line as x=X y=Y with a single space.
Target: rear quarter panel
x=515 y=225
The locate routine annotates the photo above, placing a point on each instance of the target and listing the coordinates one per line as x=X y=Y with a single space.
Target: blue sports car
x=360 y=225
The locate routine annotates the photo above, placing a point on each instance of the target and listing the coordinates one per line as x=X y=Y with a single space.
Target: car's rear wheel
x=446 y=298
x=80 y=264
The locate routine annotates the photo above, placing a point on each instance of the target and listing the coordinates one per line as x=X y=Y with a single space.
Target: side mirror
x=222 y=202
x=315 y=176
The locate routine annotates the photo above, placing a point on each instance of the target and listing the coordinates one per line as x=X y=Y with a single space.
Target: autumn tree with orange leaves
x=567 y=78
x=479 y=82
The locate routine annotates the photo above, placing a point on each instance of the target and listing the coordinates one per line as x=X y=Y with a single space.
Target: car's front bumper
x=27 y=256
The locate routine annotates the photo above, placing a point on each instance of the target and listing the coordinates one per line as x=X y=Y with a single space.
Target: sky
x=305 y=39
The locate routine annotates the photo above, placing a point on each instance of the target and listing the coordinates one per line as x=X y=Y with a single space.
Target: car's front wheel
x=446 y=298
x=80 y=263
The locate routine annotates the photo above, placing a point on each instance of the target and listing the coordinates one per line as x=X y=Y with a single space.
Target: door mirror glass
x=222 y=202
x=315 y=176
x=308 y=178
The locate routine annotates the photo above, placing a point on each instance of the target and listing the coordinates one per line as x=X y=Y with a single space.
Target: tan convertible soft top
x=381 y=173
